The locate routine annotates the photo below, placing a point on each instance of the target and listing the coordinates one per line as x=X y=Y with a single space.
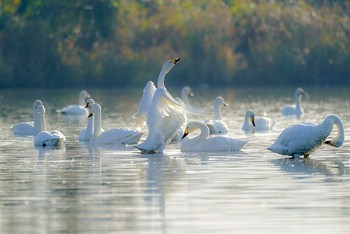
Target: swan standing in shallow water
x=28 y=128
x=165 y=115
x=145 y=103
x=113 y=135
x=256 y=124
x=204 y=142
x=217 y=126
x=302 y=139
x=77 y=109
x=296 y=109
x=86 y=133
x=44 y=137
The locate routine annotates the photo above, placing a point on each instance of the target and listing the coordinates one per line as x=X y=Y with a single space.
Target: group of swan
x=165 y=117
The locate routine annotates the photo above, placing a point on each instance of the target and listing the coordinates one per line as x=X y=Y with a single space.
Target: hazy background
x=90 y=43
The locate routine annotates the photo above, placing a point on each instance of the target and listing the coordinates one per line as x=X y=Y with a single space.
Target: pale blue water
x=83 y=189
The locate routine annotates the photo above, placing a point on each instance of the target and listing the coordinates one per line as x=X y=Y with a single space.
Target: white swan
x=113 y=135
x=204 y=142
x=86 y=133
x=28 y=128
x=77 y=109
x=165 y=115
x=44 y=137
x=217 y=126
x=186 y=92
x=296 y=109
x=145 y=103
x=256 y=124
x=302 y=139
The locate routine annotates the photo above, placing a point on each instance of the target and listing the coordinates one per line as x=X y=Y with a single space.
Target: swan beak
x=329 y=143
x=225 y=104
x=253 y=122
x=87 y=105
x=175 y=60
x=90 y=115
x=185 y=133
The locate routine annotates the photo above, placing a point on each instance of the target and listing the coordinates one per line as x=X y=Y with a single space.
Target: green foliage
x=50 y=43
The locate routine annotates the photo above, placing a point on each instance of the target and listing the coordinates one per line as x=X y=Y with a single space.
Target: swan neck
x=97 y=123
x=335 y=120
x=89 y=128
x=217 y=112
x=161 y=78
x=204 y=133
x=246 y=123
x=298 y=101
x=41 y=122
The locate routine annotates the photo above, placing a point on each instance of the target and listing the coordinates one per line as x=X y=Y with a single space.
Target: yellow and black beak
x=185 y=133
x=87 y=105
x=253 y=121
x=329 y=143
x=175 y=60
x=90 y=115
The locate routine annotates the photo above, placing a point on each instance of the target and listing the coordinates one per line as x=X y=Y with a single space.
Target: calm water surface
x=84 y=189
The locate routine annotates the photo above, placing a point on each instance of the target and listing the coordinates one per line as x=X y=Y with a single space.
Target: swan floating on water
x=28 y=128
x=296 y=109
x=256 y=124
x=145 y=103
x=217 y=126
x=165 y=115
x=113 y=135
x=303 y=139
x=44 y=137
x=77 y=109
x=204 y=142
x=186 y=92
x=86 y=133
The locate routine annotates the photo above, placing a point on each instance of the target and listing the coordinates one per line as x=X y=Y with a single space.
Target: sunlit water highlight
x=82 y=189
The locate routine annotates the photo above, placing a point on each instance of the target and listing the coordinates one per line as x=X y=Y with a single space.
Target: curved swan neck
x=97 y=120
x=204 y=132
x=331 y=120
x=161 y=78
x=41 y=122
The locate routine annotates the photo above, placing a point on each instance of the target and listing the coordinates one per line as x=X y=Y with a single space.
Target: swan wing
x=73 y=110
x=23 y=128
x=214 y=144
x=46 y=138
x=217 y=127
x=146 y=100
x=119 y=136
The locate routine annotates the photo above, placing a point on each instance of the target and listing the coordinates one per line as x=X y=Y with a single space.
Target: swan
x=44 y=137
x=204 y=142
x=302 y=139
x=113 y=135
x=165 y=115
x=77 y=109
x=146 y=99
x=86 y=133
x=28 y=128
x=217 y=126
x=186 y=92
x=256 y=124
x=296 y=109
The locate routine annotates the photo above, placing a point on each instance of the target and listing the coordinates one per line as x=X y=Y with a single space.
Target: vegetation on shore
x=50 y=43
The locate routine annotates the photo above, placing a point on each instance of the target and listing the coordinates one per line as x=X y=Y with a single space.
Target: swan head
x=220 y=101
x=186 y=91
x=40 y=109
x=299 y=91
x=339 y=139
x=193 y=126
x=250 y=116
x=37 y=103
x=168 y=65
x=89 y=103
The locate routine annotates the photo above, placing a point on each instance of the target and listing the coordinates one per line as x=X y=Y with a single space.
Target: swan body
x=296 y=109
x=256 y=124
x=27 y=128
x=165 y=115
x=146 y=99
x=86 y=133
x=204 y=142
x=44 y=137
x=110 y=136
x=77 y=109
x=217 y=126
x=302 y=139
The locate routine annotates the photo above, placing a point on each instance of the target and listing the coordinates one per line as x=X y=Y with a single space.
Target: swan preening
x=205 y=142
x=44 y=137
x=165 y=115
x=217 y=126
x=302 y=139
x=256 y=124
x=28 y=128
x=296 y=109
x=77 y=109
x=110 y=136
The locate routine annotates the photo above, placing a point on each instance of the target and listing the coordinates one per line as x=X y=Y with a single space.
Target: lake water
x=82 y=189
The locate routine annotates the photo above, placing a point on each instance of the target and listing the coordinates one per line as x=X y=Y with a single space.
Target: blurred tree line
x=50 y=43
